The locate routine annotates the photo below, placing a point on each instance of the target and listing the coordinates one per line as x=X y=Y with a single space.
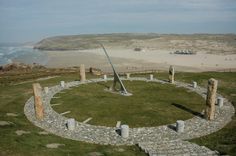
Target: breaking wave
x=28 y=55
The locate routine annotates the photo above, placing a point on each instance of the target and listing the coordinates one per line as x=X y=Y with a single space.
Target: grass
x=224 y=140
x=13 y=98
x=152 y=104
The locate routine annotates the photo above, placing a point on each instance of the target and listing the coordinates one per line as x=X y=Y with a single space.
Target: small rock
x=11 y=114
x=120 y=150
x=21 y=132
x=95 y=154
x=4 y=123
x=54 y=145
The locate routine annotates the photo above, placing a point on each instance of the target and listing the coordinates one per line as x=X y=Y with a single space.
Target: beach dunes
x=213 y=52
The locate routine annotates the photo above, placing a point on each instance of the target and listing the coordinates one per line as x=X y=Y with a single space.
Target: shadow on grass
x=188 y=110
x=103 y=84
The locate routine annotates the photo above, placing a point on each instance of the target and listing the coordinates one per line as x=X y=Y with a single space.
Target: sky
x=33 y=20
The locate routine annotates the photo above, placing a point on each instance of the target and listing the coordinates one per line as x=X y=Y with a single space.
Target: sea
x=10 y=53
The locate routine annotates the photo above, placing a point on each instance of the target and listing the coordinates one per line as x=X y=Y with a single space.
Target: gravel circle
x=55 y=123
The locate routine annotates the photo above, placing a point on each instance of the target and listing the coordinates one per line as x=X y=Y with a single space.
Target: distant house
x=137 y=49
x=184 y=52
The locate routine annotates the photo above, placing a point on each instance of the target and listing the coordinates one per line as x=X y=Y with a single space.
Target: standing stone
x=124 y=131
x=127 y=75
x=151 y=77
x=211 y=99
x=180 y=126
x=194 y=84
x=105 y=77
x=62 y=84
x=220 y=101
x=38 y=102
x=82 y=73
x=46 y=90
x=118 y=123
x=171 y=74
x=71 y=124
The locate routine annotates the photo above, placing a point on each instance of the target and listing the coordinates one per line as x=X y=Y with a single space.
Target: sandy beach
x=130 y=60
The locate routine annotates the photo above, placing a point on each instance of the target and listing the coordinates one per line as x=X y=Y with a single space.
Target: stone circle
x=55 y=123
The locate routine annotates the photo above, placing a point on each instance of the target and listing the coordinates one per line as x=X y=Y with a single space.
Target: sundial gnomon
x=117 y=79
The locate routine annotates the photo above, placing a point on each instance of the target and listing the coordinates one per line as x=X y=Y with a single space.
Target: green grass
x=152 y=104
x=224 y=140
x=13 y=98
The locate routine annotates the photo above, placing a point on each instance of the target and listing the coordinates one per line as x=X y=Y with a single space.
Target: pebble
x=11 y=114
x=43 y=133
x=95 y=154
x=21 y=132
x=54 y=145
x=5 y=123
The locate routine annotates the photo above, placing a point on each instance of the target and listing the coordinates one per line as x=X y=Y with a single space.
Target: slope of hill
x=208 y=43
x=81 y=42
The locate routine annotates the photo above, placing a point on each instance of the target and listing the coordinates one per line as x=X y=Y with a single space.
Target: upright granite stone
x=46 y=90
x=71 y=124
x=171 y=74
x=220 y=101
x=82 y=73
x=211 y=99
x=105 y=77
x=194 y=84
x=151 y=77
x=124 y=131
x=62 y=83
x=38 y=102
x=127 y=75
x=180 y=126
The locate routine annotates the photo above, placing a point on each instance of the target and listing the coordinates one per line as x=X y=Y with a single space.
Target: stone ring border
x=195 y=127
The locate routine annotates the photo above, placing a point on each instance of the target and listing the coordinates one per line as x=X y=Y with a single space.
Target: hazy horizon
x=25 y=21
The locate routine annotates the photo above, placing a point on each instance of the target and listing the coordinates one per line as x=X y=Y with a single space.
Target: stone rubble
x=155 y=137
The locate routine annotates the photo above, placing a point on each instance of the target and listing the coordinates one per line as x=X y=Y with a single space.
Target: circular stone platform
x=194 y=127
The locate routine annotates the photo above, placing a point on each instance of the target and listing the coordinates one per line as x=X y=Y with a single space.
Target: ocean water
x=23 y=54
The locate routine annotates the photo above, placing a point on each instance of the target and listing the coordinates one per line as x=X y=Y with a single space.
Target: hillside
x=208 y=43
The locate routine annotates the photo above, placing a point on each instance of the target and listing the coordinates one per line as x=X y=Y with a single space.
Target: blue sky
x=33 y=20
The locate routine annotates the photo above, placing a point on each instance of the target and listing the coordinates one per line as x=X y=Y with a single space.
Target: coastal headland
x=134 y=52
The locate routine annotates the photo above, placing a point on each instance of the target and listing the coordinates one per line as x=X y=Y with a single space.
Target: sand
x=130 y=60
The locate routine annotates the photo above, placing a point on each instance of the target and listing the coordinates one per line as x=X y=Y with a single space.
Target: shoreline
x=129 y=60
